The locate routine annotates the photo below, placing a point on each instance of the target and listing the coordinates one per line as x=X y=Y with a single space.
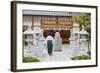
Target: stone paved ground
x=64 y=55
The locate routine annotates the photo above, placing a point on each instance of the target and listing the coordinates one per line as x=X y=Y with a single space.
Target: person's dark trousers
x=50 y=47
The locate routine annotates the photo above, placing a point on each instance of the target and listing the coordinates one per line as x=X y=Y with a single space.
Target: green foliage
x=83 y=57
x=83 y=19
x=30 y=59
x=89 y=52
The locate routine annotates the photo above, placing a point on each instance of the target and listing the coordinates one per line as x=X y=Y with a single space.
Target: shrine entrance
x=65 y=34
x=51 y=24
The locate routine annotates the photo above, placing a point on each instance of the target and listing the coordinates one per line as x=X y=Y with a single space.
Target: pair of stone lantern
x=78 y=42
x=33 y=47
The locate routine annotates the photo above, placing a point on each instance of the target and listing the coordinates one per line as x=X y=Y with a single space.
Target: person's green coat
x=49 y=47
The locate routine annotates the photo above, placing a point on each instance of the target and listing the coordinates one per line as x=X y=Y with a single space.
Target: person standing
x=49 y=44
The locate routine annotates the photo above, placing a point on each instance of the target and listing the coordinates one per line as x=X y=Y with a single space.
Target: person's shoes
x=51 y=55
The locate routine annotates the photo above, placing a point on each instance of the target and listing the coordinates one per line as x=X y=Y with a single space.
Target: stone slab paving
x=64 y=55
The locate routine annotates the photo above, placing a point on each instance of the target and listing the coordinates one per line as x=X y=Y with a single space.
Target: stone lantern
x=29 y=39
x=74 y=40
x=74 y=45
x=58 y=42
x=83 y=38
x=38 y=41
x=74 y=36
